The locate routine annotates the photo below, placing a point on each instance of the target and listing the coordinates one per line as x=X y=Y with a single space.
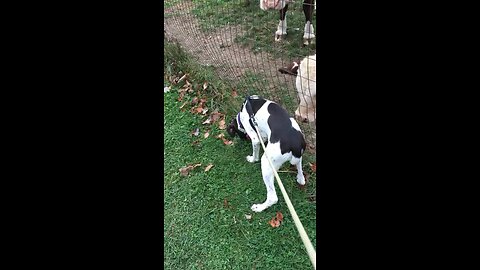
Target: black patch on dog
x=233 y=130
x=257 y=104
x=283 y=131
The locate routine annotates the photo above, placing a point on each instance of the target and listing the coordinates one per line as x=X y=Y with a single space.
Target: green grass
x=200 y=232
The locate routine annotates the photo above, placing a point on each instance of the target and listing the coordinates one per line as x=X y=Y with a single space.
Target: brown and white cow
x=282 y=7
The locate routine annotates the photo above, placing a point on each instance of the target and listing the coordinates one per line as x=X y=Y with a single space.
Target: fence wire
x=264 y=47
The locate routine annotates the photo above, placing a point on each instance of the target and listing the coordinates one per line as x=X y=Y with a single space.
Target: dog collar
x=240 y=126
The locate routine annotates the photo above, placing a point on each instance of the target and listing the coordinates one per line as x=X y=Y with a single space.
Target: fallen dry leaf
x=181 y=79
x=227 y=142
x=195 y=100
x=208 y=167
x=180 y=96
x=276 y=220
x=225 y=203
x=279 y=216
x=274 y=223
x=234 y=93
x=248 y=217
x=221 y=136
x=205 y=110
x=206 y=134
x=185 y=170
x=221 y=124
x=313 y=167
x=205 y=85
x=215 y=116
x=166 y=89
x=196 y=110
x=206 y=121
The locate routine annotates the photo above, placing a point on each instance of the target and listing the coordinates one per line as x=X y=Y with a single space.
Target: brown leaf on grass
x=225 y=203
x=196 y=132
x=196 y=110
x=221 y=124
x=234 y=93
x=204 y=111
x=313 y=167
x=206 y=121
x=195 y=101
x=208 y=167
x=279 y=216
x=185 y=170
x=215 y=116
x=187 y=87
x=227 y=142
x=181 y=79
x=276 y=220
x=221 y=136
x=180 y=96
x=205 y=85
x=206 y=134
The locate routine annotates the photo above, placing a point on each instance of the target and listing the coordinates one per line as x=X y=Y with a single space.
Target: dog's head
x=236 y=128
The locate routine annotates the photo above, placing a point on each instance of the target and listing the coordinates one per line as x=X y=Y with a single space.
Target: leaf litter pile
x=194 y=99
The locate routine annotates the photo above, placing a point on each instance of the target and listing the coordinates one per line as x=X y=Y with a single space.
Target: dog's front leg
x=268 y=179
x=255 y=150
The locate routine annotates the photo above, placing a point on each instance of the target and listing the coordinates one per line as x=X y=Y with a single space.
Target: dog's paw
x=301 y=179
x=250 y=159
x=258 y=207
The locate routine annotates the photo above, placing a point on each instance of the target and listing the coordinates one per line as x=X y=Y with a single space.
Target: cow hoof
x=307 y=42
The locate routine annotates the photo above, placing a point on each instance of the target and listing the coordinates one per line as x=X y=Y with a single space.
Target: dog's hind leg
x=282 y=25
x=268 y=179
x=298 y=163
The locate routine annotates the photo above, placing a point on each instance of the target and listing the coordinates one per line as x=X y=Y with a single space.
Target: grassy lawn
x=204 y=220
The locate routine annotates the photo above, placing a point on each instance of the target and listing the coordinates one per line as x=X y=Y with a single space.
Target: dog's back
x=286 y=130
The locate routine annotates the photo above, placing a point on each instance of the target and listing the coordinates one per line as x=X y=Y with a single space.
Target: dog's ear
x=231 y=130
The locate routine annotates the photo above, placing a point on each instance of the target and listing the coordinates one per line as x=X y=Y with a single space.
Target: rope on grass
x=301 y=230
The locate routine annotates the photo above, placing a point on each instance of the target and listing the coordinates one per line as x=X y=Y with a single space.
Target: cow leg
x=282 y=25
x=309 y=33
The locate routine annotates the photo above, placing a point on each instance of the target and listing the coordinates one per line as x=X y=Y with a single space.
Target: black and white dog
x=285 y=140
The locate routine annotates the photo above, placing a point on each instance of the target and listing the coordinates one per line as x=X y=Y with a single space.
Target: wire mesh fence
x=265 y=47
